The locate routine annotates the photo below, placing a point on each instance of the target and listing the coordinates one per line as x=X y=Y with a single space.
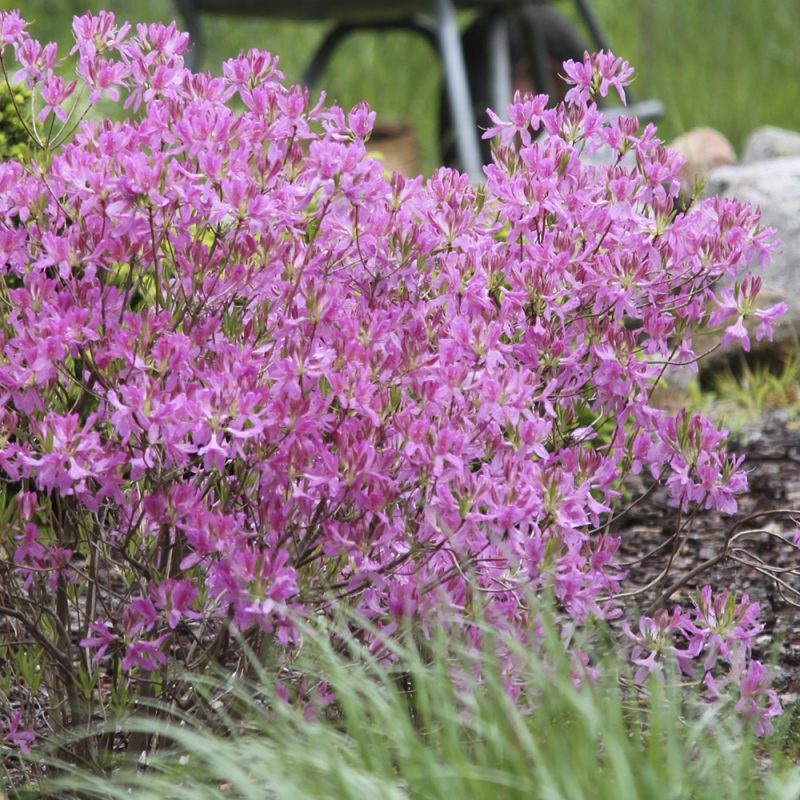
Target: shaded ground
x=773 y=466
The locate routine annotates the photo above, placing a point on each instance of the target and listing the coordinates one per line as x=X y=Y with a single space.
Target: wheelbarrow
x=436 y=21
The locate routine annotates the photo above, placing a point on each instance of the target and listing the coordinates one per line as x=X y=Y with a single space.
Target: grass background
x=730 y=64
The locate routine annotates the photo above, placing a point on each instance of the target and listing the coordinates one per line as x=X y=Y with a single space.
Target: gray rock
x=769 y=142
x=774 y=186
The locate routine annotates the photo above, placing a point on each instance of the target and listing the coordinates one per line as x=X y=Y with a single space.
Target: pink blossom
x=766 y=320
x=54 y=92
x=737 y=333
x=176 y=597
x=12 y=26
x=16 y=735
x=103 y=639
x=753 y=685
x=146 y=654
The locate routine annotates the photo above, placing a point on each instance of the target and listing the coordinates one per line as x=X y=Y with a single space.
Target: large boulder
x=772 y=184
x=770 y=142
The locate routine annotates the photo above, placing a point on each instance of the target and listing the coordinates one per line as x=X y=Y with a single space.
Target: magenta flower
x=596 y=75
x=103 y=638
x=12 y=27
x=146 y=654
x=753 y=687
x=737 y=333
x=17 y=736
x=54 y=92
x=175 y=597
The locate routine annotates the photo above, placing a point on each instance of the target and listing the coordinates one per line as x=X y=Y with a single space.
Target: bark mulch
x=757 y=554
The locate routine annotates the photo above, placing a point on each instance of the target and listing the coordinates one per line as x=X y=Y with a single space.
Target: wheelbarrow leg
x=191 y=18
x=599 y=39
x=538 y=52
x=336 y=36
x=457 y=85
x=499 y=63
x=323 y=54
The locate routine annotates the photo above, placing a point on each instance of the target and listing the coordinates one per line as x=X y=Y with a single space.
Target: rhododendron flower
x=766 y=320
x=16 y=735
x=146 y=654
x=595 y=76
x=737 y=333
x=103 y=638
x=753 y=685
x=176 y=597
x=11 y=26
x=54 y=92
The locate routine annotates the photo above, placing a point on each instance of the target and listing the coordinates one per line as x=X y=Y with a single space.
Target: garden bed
x=772 y=461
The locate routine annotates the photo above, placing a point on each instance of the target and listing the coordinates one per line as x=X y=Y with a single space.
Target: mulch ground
x=772 y=450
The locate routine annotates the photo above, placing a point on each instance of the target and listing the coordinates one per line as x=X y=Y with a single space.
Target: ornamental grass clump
x=247 y=379
x=588 y=740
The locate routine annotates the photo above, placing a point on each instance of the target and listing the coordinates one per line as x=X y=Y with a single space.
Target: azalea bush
x=248 y=379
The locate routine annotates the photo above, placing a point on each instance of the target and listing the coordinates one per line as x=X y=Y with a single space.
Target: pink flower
x=102 y=640
x=254 y=379
x=361 y=120
x=17 y=736
x=12 y=26
x=737 y=333
x=54 y=92
x=766 y=320
x=597 y=73
x=754 y=686
x=145 y=654
x=176 y=597
x=96 y=33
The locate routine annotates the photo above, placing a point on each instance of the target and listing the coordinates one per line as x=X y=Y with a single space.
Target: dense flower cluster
x=244 y=375
x=718 y=630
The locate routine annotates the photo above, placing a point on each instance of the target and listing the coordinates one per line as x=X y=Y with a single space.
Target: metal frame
x=440 y=28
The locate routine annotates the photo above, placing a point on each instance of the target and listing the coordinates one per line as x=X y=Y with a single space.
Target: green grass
x=740 y=394
x=731 y=64
x=440 y=742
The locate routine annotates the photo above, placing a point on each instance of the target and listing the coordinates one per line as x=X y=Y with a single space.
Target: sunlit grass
x=739 y=393
x=724 y=63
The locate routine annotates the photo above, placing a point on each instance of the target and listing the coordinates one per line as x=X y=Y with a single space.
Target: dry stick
x=649 y=554
x=642 y=589
x=61 y=658
x=670 y=590
x=714 y=560
x=766 y=572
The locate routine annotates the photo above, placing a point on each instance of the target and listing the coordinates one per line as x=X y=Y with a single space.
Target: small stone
x=704 y=149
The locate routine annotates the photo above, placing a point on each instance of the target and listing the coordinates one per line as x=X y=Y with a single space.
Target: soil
x=760 y=548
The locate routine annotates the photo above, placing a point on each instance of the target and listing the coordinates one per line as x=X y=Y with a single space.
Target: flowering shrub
x=717 y=629
x=14 y=128
x=245 y=376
